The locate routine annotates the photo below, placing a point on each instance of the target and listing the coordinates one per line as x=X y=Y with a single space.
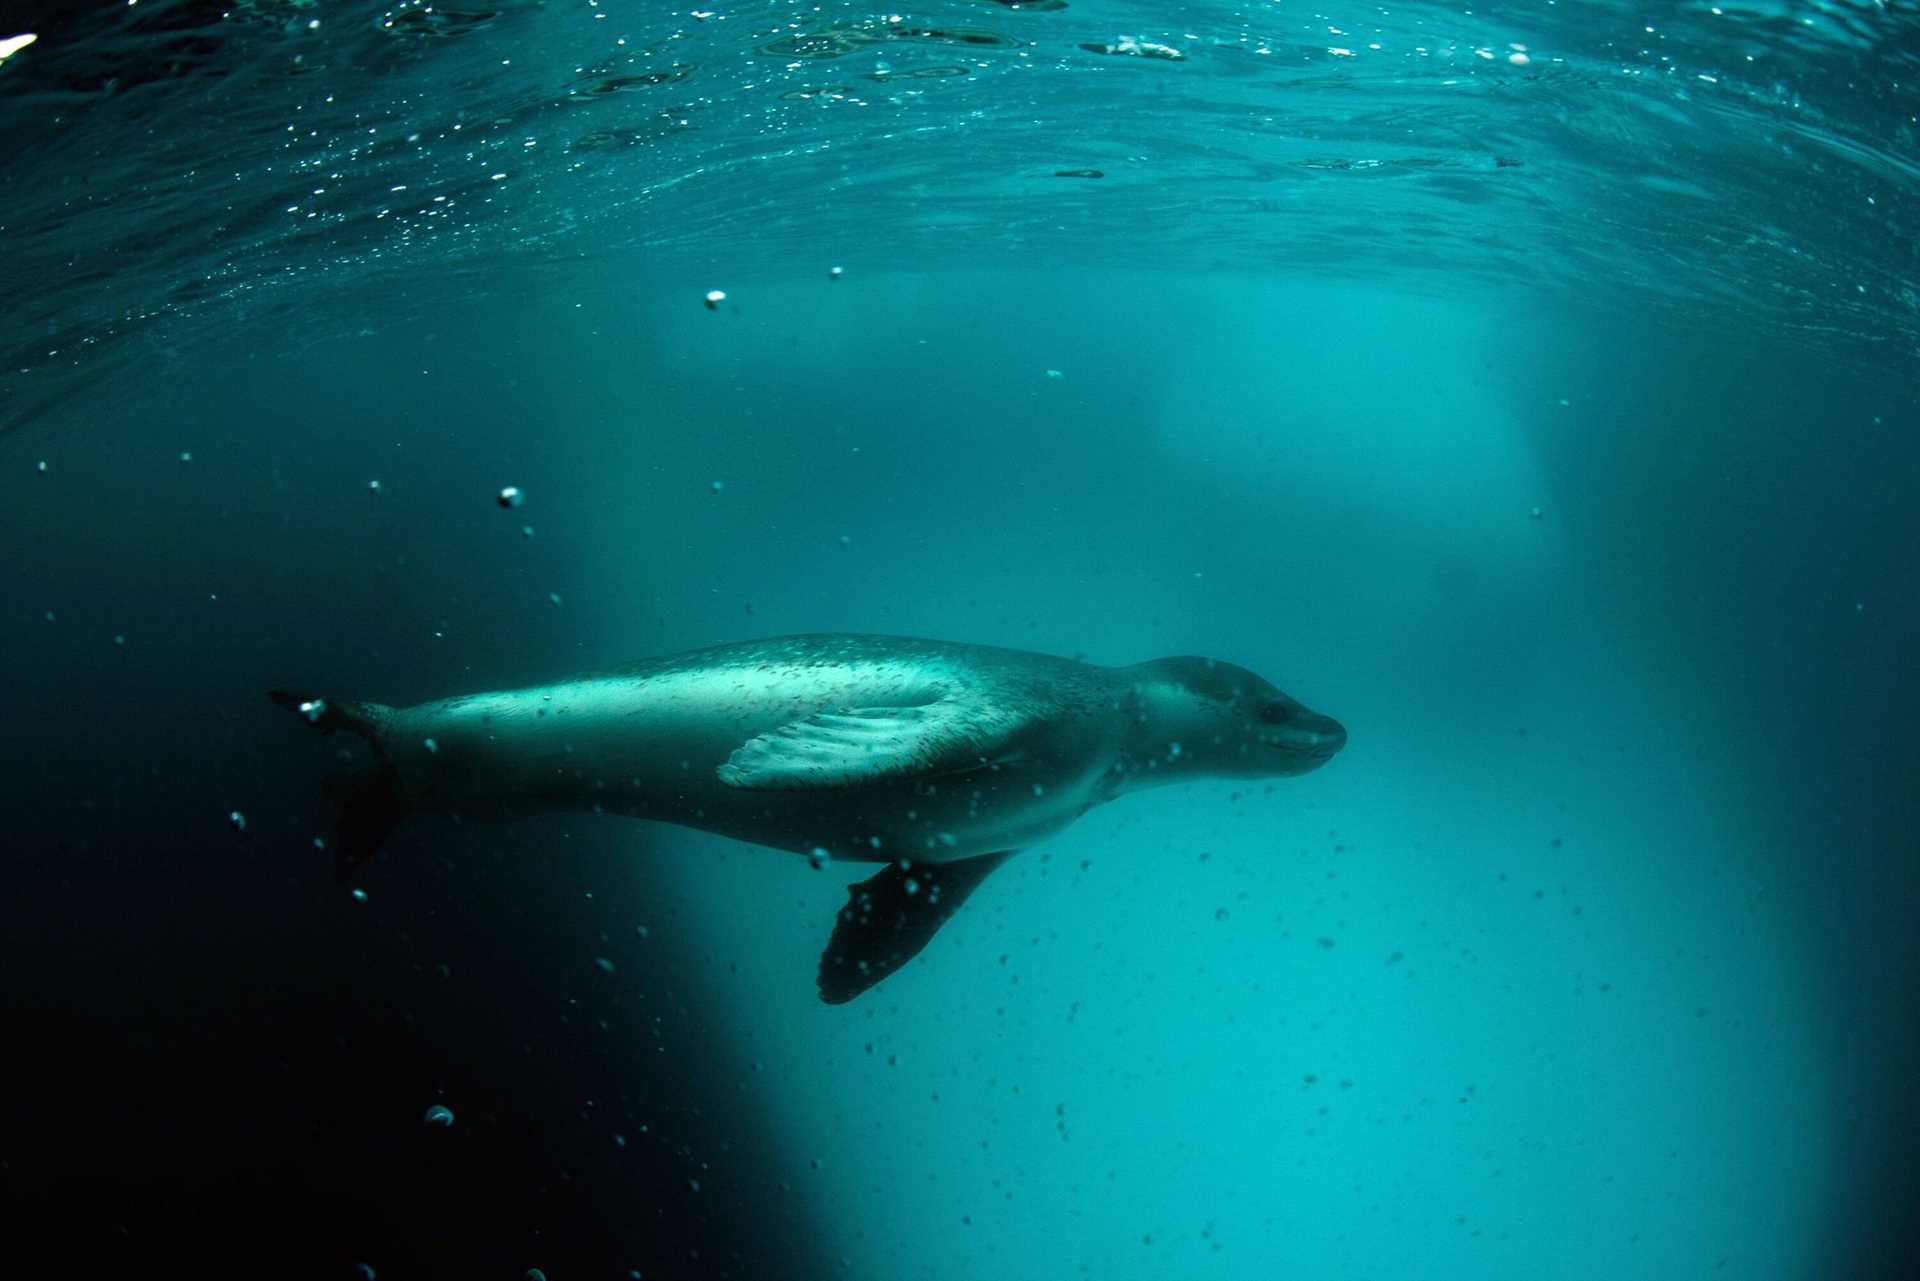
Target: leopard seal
x=935 y=758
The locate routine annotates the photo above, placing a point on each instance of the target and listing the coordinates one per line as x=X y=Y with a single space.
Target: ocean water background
x=1531 y=388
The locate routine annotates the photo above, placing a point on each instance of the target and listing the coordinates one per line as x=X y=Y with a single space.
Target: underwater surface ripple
x=189 y=157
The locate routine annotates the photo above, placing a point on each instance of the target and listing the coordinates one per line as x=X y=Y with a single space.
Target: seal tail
x=368 y=805
x=369 y=720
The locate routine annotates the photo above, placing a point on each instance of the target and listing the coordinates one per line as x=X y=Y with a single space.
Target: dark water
x=1546 y=414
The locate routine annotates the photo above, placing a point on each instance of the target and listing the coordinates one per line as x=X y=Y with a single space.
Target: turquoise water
x=1533 y=389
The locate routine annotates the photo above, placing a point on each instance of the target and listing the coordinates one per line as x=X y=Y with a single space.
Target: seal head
x=1203 y=716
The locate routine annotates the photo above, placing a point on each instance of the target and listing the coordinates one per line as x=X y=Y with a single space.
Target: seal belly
x=941 y=821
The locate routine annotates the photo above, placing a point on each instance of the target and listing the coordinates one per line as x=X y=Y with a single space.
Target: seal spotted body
x=937 y=759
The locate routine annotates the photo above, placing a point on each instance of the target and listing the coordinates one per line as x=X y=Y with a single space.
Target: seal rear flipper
x=890 y=916
x=370 y=806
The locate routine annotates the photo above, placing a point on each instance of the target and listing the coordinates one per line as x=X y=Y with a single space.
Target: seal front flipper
x=890 y=916
x=949 y=735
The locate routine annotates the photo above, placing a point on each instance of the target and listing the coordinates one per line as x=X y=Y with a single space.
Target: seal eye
x=1276 y=713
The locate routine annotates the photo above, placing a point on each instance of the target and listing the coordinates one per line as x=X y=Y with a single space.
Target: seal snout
x=1310 y=734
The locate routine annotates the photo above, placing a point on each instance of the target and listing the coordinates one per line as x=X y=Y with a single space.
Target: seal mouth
x=1316 y=737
